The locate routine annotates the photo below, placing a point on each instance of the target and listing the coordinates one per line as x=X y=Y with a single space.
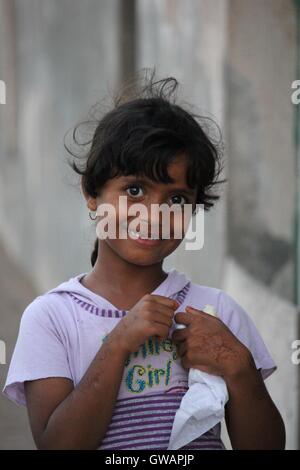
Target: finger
x=185 y=363
x=163 y=314
x=181 y=349
x=161 y=299
x=179 y=335
x=161 y=331
x=183 y=318
x=163 y=319
x=204 y=368
x=194 y=310
x=164 y=310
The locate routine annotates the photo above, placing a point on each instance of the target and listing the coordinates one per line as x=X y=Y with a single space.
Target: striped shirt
x=146 y=423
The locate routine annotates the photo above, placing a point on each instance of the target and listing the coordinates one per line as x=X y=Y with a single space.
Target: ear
x=91 y=201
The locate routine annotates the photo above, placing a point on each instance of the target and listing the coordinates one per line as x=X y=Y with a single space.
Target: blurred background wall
x=235 y=61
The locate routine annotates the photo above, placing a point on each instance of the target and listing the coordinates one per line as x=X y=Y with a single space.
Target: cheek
x=113 y=215
x=122 y=211
x=170 y=246
x=179 y=224
x=107 y=227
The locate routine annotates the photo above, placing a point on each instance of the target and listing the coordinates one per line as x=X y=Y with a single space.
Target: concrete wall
x=60 y=62
x=262 y=51
x=277 y=320
x=67 y=57
x=188 y=40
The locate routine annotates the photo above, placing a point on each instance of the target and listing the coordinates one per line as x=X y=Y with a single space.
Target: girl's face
x=146 y=192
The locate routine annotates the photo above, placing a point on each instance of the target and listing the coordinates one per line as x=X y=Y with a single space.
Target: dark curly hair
x=142 y=133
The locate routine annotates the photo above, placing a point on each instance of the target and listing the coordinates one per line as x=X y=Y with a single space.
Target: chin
x=141 y=256
x=142 y=260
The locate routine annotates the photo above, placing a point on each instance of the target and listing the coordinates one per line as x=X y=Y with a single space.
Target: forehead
x=177 y=170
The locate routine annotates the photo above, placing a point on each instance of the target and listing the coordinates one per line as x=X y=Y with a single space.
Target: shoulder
x=228 y=309
x=46 y=310
x=223 y=302
x=238 y=321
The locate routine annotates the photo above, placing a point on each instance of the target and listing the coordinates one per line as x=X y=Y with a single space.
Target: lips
x=136 y=235
x=133 y=235
x=147 y=242
x=142 y=236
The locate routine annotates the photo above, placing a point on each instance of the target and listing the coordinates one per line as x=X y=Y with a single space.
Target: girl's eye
x=178 y=197
x=134 y=188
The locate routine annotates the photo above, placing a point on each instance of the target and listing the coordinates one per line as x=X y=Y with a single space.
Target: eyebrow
x=141 y=180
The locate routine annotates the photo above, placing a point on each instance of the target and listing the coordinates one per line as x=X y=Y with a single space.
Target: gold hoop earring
x=94 y=216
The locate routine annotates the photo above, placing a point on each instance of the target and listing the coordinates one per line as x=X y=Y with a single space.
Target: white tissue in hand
x=211 y=310
x=202 y=407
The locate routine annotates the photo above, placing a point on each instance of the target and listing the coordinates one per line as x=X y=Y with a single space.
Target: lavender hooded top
x=62 y=330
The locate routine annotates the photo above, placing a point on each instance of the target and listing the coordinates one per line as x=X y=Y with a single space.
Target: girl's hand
x=151 y=316
x=208 y=344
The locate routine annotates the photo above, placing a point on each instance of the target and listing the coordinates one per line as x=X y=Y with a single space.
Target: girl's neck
x=120 y=282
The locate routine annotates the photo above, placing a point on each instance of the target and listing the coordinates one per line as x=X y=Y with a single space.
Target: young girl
x=98 y=362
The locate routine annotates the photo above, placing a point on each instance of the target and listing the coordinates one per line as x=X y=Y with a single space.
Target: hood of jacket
x=175 y=284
